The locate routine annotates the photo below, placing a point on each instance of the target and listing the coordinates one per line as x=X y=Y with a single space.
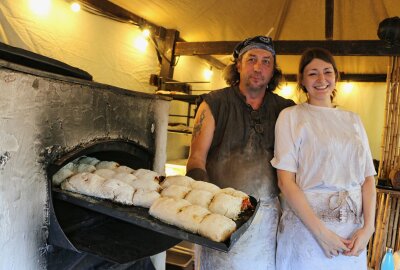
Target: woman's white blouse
x=327 y=148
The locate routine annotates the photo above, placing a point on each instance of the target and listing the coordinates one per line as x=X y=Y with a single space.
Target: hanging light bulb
x=208 y=73
x=347 y=87
x=141 y=43
x=146 y=33
x=286 y=91
x=40 y=7
x=75 y=7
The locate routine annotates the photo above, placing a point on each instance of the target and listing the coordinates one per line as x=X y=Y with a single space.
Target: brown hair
x=232 y=75
x=311 y=54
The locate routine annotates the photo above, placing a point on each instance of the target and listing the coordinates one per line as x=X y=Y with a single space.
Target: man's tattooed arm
x=198 y=125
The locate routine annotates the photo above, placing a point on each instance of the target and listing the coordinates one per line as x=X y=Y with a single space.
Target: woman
x=325 y=173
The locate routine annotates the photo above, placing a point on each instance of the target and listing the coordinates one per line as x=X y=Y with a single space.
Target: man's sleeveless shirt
x=243 y=142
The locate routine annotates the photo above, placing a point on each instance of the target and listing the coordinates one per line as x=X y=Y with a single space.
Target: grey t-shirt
x=243 y=142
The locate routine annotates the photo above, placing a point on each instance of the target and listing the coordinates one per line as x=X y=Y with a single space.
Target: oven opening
x=78 y=231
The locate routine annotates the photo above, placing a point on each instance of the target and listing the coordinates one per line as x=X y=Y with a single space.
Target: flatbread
x=166 y=209
x=145 y=198
x=179 y=180
x=199 y=197
x=227 y=205
x=217 y=227
x=175 y=191
x=205 y=186
x=190 y=217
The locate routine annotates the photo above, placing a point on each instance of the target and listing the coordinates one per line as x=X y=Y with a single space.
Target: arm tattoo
x=198 y=125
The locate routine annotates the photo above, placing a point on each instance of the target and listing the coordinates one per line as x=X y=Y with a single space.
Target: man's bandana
x=257 y=42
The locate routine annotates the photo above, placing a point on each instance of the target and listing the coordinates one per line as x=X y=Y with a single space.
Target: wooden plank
x=329 y=12
x=294 y=47
x=353 y=77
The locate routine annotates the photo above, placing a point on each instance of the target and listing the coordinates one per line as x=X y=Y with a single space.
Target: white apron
x=297 y=248
x=255 y=249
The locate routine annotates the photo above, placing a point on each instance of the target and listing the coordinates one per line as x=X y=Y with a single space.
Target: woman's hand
x=359 y=241
x=331 y=243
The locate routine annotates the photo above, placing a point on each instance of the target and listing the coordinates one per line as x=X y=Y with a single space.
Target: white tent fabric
x=100 y=46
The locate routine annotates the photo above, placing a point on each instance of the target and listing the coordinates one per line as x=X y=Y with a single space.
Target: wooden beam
x=213 y=61
x=108 y=7
x=329 y=12
x=294 y=47
x=352 y=77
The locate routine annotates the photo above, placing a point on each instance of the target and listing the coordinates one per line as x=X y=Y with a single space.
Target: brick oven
x=46 y=120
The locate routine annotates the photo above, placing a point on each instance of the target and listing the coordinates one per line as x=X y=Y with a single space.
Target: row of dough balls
x=193 y=218
x=227 y=201
x=109 y=180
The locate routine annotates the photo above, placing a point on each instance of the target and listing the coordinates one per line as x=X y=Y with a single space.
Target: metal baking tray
x=140 y=216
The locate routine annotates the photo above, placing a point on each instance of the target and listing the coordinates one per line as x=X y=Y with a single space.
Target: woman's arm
x=330 y=242
x=360 y=238
x=203 y=133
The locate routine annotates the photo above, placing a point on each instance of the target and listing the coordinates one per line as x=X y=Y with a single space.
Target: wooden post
x=168 y=59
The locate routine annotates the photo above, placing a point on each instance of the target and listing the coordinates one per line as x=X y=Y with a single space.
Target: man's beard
x=254 y=91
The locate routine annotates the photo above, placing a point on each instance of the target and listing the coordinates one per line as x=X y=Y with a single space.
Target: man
x=232 y=145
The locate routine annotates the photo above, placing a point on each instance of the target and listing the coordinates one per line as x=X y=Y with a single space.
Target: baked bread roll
x=205 y=186
x=217 y=227
x=105 y=173
x=234 y=192
x=150 y=184
x=199 y=197
x=179 y=180
x=122 y=192
x=190 y=217
x=88 y=184
x=226 y=205
x=246 y=203
x=106 y=165
x=88 y=160
x=63 y=173
x=85 y=168
x=123 y=169
x=146 y=174
x=166 y=209
x=145 y=198
x=175 y=191
x=126 y=177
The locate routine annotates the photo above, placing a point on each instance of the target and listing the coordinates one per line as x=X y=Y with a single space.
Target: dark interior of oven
x=83 y=236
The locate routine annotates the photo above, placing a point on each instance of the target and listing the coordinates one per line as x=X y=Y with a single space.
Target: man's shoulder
x=222 y=95
x=220 y=92
x=280 y=101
